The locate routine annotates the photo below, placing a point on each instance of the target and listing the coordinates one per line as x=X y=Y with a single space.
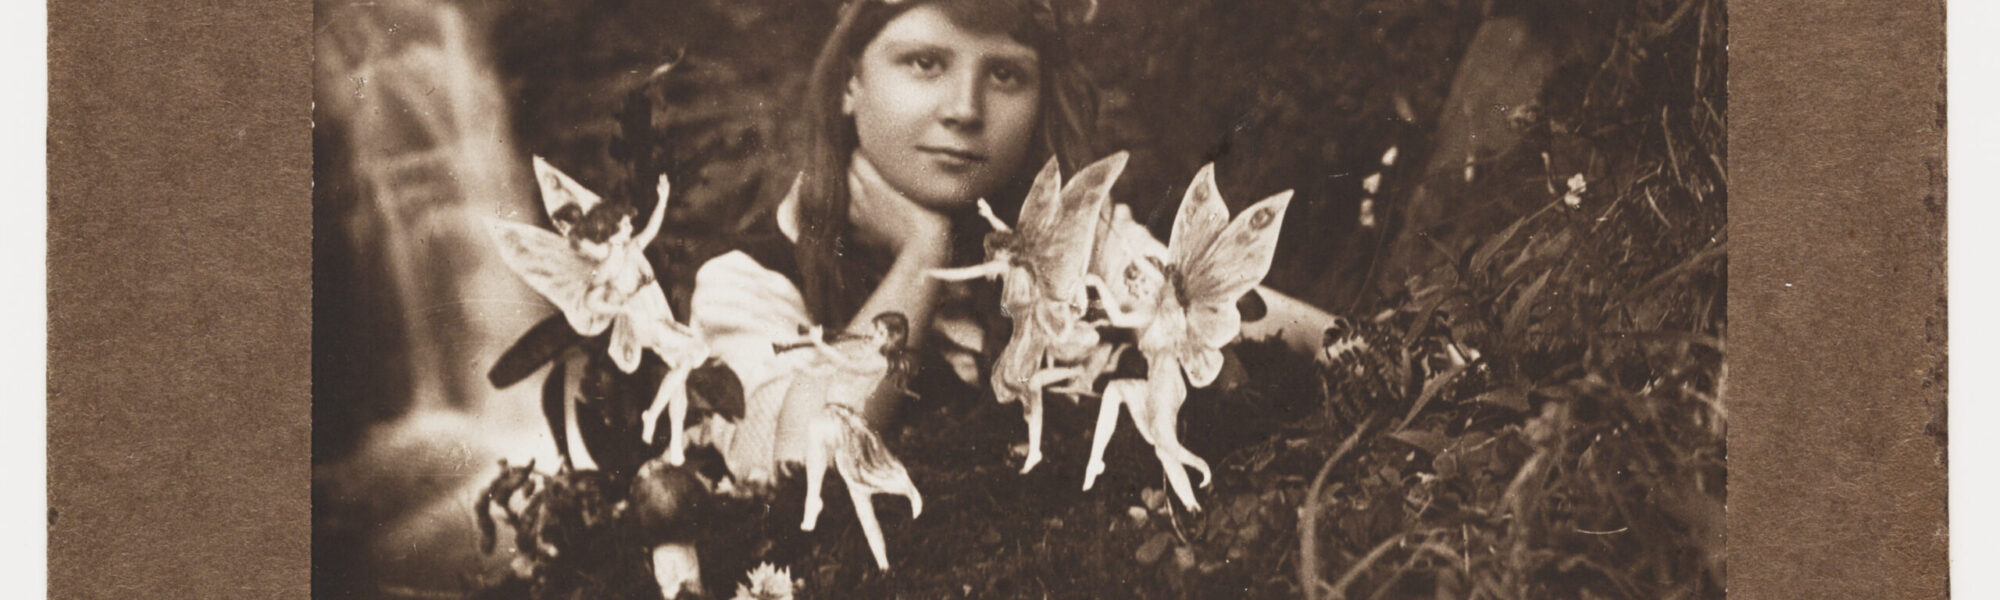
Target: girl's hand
x=920 y=239
x=883 y=217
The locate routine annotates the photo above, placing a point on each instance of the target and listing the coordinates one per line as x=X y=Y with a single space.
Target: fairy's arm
x=986 y=212
x=1114 y=310
x=818 y=341
x=989 y=269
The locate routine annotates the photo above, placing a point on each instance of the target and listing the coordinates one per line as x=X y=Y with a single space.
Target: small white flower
x=767 y=582
x=1367 y=212
x=1574 y=198
x=1372 y=183
x=1389 y=158
x=1471 y=168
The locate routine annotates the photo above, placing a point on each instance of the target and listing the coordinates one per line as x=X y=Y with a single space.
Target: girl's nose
x=964 y=108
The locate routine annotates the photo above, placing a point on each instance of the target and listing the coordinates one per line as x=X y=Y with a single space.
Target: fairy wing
x=1217 y=264
x=552 y=268
x=1238 y=259
x=1201 y=218
x=1058 y=228
x=558 y=190
x=1040 y=207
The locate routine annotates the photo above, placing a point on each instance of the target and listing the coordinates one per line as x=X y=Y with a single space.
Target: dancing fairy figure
x=1041 y=263
x=594 y=269
x=832 y=387
x=1180 y=298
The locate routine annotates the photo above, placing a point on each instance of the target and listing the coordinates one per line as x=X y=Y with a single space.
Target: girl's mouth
x=954 y=156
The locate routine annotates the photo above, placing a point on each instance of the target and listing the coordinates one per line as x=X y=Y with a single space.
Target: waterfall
x=427 y=139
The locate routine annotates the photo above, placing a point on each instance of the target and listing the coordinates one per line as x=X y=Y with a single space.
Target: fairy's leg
x=1031 y=409
x=672 y=398
x=677 y=410
x=818 y=436
x=1115 y=395
x=1103 y=360
x=864 y=511
x=1067 y=375
x=1168 y=391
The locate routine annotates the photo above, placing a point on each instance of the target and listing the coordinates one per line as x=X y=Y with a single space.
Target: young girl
x=916 y=110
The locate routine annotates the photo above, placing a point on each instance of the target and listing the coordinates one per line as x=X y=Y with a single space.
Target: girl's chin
x=946 y=199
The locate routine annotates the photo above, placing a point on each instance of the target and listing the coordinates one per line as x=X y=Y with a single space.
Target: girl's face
x=944 y=113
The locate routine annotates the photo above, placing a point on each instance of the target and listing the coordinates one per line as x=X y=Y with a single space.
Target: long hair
x=836 y=277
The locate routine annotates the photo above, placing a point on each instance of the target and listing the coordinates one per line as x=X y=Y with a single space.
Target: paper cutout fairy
x=1180 y=298
x=1041 y=263
x=802 y=395
x=840 y=379
x=593 y=267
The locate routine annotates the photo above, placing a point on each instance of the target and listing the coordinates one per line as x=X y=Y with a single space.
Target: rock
x=1150 y=552
x=667 y=500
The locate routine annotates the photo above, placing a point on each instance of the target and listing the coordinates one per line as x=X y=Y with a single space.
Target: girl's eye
x=924 y=63
x=1011 y=77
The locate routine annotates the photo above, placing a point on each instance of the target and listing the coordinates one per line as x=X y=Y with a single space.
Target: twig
x=1396 y=577
x=1674 y=22
x=1404 y=569
x=1173 y=516
x=1431 y=390
x=1714 y=251
x=1309 y=580
x=1673 y=155
x=1354 y=572
x=1656 y=210
x=1375 y=262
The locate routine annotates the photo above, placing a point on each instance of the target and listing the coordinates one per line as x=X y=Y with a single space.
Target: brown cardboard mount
x=1837 y=301
x=180 y=301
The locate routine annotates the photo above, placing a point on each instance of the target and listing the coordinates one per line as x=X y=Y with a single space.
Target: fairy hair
x=896 y=348
x=834 y=275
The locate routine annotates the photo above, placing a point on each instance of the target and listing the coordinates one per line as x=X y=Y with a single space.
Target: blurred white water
x=432 y=159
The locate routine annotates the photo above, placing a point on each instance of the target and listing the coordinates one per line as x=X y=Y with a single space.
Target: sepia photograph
x=769 y=299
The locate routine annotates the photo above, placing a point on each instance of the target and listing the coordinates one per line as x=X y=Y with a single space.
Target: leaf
x=716 y=387
x=1232 y=375
x=1150 y=552
x=1430 y=391
x=552 y=404
x=1512 y=398
x=1430 y=442
x=1484 y=256
x=1517 y=317
x=540 y=344
x=1547 y=248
